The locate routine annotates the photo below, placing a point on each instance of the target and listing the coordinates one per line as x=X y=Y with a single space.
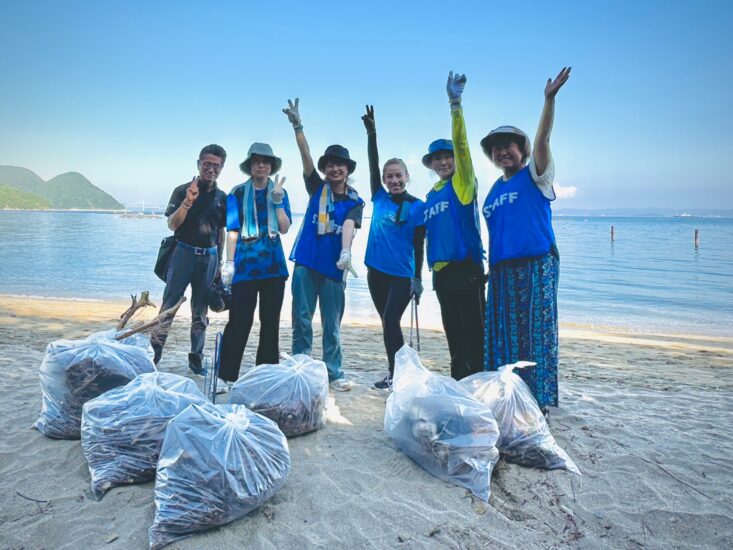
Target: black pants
x=460 y=288
x=241 y=316
x=390 y=295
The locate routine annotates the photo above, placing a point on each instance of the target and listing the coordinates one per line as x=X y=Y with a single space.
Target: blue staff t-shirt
x=391 y=247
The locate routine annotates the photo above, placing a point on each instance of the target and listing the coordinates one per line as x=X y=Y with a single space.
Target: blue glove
x=455 y=86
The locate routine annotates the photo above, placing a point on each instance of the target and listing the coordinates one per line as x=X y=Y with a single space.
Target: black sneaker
x=157 y=354
x=385 y=383
x=194 y=363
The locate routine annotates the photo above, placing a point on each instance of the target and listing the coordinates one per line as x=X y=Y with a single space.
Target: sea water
x=651 y=278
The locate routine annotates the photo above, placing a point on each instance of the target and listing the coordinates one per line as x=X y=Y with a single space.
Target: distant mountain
x=11 y=198
x=64 y=192
x=72 y=190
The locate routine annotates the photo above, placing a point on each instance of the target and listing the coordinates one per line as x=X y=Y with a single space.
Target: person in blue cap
x=394 y=254
x=521 y=316
x=322 y=250
x=258 y=211
x=454 y=250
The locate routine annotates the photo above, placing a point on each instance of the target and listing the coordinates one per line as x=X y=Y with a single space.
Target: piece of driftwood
x=162 y=318
x=144 y=301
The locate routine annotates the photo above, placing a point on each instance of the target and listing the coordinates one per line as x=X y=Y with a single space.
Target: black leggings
x=390 y=295
x=461 y=292
x=241 y=317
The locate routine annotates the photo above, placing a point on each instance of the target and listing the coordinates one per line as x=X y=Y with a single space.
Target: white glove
x=227 y=273
x=344 y=262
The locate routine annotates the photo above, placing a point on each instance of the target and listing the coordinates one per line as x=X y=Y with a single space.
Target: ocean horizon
x=650 y=279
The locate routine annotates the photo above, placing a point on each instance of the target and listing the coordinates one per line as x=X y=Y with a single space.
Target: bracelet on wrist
x=298 y=127
x=186 y=207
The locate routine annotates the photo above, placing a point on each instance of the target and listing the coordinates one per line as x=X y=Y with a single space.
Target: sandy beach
x=647 y=418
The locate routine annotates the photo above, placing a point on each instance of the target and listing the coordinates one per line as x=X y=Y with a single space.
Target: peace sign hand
x=277 y=192
x=292 y=112
x=553 y=86
x=368 y=119
x=192 y=193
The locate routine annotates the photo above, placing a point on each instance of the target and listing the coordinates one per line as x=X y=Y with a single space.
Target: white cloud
x=563 y=192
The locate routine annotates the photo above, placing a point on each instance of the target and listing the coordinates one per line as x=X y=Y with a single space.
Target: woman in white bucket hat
x=521 y=309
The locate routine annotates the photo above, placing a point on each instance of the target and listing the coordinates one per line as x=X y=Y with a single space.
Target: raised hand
x=277 y=191
x=455 y=85
x=553 y=86
x=368 y=119
x=292 y=111
x=192 y=193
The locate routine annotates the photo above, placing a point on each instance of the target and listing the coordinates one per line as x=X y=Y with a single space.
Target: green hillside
x=22 y=179
x=66 y=191
x=10 y=197
x=72 y=190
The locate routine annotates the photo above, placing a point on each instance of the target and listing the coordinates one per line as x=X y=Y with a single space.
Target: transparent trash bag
x=292 y=393
x=439 y=425
x=74 y=371
x=122 y=430
x=525 y=436
x=218 y=463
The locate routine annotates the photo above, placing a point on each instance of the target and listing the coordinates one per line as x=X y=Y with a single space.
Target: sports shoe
x=194 y=363
x=341 y=385
x=385 y=383
x=157 y=353
x=222 y=386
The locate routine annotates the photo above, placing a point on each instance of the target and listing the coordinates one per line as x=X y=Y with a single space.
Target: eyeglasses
x=214 y=165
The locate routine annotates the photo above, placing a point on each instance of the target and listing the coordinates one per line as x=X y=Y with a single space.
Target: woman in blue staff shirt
x=454 y=246
x=394 y=252
x=521 y=316
x=322 y=251
x=258 y=211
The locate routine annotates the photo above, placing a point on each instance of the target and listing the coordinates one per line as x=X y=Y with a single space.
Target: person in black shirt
x=197 y=216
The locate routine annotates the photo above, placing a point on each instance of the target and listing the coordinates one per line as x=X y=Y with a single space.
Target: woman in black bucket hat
x=454 y=250
x=521 y=314
x=322 y=250
x=258 y=211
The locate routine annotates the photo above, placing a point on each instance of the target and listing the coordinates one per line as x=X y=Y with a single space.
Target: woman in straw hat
x=258 y=211
x=394 y=254
x=322 y=251
x=454 y=246
x=521 y=317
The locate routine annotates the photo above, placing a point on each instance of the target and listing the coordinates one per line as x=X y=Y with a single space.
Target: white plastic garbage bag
x=292 y=393
x=525 y=436
x=439 y=425
x=218 y=463
x=122 y=430
x=75 y=371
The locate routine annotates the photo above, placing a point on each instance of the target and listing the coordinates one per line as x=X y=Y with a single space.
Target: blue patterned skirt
x=521 y=321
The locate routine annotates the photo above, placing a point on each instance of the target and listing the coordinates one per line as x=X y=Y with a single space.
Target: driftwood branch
x=162 y=317
x=144 y=301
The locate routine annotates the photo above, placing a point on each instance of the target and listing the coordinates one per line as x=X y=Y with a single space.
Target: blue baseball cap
x=437 y=145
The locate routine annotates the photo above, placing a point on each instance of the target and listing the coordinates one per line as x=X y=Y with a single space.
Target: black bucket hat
x=263 y=150
x=339 y=153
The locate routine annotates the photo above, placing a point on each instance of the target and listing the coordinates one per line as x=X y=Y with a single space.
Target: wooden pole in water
x=612 y=238
x=697 y=238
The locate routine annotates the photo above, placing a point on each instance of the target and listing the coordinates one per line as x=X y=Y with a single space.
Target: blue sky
x=127 y=92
